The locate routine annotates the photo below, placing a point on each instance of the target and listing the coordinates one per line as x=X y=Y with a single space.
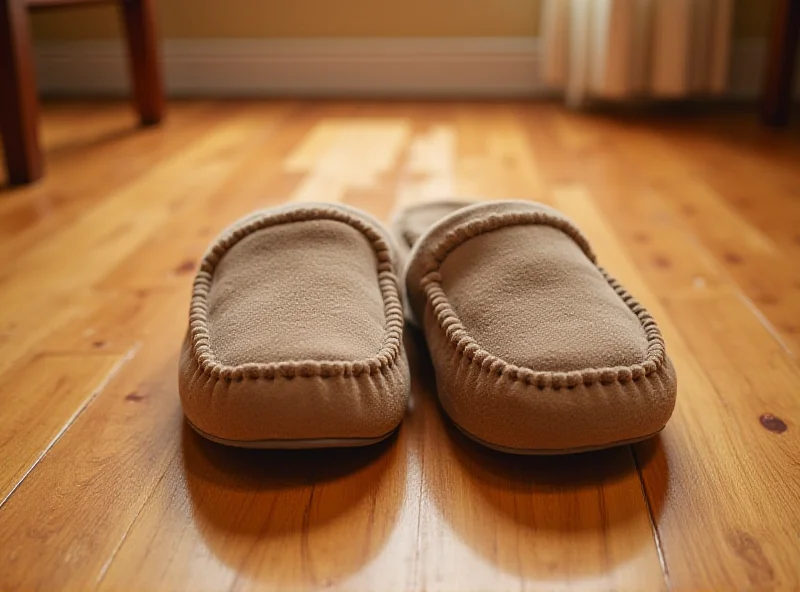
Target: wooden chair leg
x=19 y=108
x=140 y=30
x=779 y=80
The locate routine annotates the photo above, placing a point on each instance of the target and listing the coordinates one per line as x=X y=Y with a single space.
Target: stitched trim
x=466 y=346
x=387 y=281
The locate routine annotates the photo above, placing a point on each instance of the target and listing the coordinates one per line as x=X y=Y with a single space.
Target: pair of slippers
x=296 y=331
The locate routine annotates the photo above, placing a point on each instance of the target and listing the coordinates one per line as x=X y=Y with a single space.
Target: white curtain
x=625 y=49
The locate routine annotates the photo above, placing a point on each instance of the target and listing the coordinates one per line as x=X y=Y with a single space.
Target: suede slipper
x=295 y=332
x=536 y=349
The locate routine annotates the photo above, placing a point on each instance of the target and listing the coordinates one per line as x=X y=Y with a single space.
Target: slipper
x=295 y=332
x=536 y=349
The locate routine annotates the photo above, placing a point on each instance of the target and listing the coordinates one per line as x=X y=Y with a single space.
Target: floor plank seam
x=692 y=237
x=422 y=460
x=104 y=570
x=650 y=516
x=746 y=300
x=771 y=329
x=99 y=389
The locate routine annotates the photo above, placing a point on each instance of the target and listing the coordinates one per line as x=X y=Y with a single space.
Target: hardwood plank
x=56 y=377
x=429 y=166
x=102 y=158
x=21 y=325
x=39 y=402
x=66 y=519
x=754 y=455
x=711 y=471
x=52 y=273
x=227 y=519
x=639 y=162
x=110 y=322
x=360 y=150
x=428 y=130
x=170 y=256
x=127 y=217
x=761 y=269
x=495 y=161
x=67 y=125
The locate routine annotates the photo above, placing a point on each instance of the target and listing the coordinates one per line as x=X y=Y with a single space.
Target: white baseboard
x=479 y=67
x=391 y=67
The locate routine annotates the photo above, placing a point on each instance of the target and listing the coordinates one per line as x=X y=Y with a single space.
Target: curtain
x=627 y=49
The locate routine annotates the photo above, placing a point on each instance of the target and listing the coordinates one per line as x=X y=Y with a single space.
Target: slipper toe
x=295 y=336
x=536 y=348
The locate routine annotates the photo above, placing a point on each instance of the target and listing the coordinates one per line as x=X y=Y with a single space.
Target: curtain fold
x=626 y=49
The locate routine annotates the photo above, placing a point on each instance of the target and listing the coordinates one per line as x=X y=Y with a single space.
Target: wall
x=307 y=18
x=322 y=47
x=337 y=18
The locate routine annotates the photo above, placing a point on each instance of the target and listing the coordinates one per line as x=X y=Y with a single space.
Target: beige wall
x=308 y=18
x=337 y=18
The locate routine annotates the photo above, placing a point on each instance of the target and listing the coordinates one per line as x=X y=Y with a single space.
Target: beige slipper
x=537 y=350
x=295 y=335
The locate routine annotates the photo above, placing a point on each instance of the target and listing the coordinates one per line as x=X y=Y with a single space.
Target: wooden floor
x=102 y=486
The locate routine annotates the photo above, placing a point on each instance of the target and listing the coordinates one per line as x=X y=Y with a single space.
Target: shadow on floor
x=74 y=148
x=517 y=511
x=294 y=517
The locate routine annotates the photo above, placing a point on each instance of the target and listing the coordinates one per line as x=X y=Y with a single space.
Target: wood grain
x=734 y=379
x=103 y=485
x=39 y=402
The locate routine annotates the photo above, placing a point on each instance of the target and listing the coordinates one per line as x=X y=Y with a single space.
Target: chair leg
x=19 y=108
x=776 y=102
x=140 y=31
